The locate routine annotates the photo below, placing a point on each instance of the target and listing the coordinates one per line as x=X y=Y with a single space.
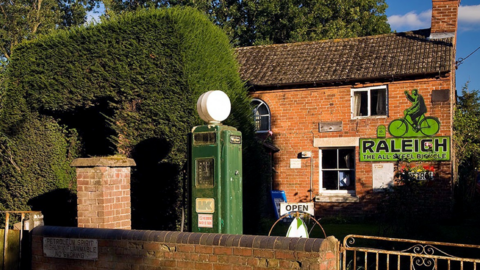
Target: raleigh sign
x=392 y=149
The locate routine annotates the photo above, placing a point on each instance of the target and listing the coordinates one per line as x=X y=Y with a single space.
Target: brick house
x=329 y=107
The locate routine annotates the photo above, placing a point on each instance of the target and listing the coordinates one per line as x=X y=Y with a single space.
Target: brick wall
x=103 y=192
x=444 y=15
x=295 y=116
x=125 y=249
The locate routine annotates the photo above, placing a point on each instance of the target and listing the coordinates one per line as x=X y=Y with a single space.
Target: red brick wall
x=103 y=196
x=444 y=15
x=103 y=192
x=124 y=249
x=295 y=116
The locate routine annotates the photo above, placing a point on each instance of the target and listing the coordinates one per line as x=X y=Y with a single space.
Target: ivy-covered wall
x=130 y=86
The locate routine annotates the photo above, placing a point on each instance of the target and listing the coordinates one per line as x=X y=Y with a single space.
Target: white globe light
x=213 y=106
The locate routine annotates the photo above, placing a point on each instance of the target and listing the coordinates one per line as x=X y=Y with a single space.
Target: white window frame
x=320 y=172
x=368 y=90
x=262 y=103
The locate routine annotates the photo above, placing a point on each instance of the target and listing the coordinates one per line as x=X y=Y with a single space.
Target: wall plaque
x=295 y=163
x=329 y=126
x=70 y=248
x=440 y=95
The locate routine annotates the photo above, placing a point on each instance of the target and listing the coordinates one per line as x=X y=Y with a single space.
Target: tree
x=256 y=22
x=467 y=141
x=24 y=19
x=21 y=19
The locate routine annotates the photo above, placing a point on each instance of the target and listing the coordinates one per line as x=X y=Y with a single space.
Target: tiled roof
x=355 y=59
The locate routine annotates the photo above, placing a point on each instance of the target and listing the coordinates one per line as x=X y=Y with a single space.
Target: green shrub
x=36 y=161
x=130 y=86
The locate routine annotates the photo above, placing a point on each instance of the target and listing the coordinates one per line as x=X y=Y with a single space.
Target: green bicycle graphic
x=428 y=125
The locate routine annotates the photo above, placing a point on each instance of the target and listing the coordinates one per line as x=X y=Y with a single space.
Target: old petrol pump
x=216 y=169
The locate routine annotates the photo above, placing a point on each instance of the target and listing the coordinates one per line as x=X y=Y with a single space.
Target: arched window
x=261 y=114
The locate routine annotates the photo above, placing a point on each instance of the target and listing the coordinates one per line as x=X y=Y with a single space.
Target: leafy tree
x=25 y=19
x=74 y=12
x=256 y=22
x=466 y=140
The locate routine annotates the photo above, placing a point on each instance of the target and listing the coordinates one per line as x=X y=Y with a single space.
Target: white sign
x=382 y=176
x=205 y=221
x=285 y=208
x=70 y=248
x=205 y=205
x=295 y=163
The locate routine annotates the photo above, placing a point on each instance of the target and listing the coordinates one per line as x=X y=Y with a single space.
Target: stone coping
x=175 y=237
x=113 y=161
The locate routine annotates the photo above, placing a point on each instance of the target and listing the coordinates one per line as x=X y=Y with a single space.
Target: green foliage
x=466 y=126
x=36 y=161
x=257 y=22
x=411 y=205
x=135 y=79
x=25 y=20
x=466 y=140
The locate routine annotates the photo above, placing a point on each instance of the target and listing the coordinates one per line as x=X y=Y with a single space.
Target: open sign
x=286 y=208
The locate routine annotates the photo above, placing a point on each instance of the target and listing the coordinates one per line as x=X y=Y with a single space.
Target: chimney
x=444 y=18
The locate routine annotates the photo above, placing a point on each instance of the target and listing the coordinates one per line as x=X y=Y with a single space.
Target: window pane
x=329 y=159
x=346 y=158
x=258 y=121
x=262 y=109
x=346 y=180
x=264 y=120
x=378 y=104
x=330 y=180
x=261 y=115
x=360 y=106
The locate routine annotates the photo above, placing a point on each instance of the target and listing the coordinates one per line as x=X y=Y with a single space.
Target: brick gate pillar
x=103 y=192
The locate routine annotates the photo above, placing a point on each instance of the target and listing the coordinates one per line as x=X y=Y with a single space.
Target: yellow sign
x=205 y=205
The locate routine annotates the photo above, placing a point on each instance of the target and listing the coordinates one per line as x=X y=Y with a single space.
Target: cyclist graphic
x=417 y=109
x=414 y=119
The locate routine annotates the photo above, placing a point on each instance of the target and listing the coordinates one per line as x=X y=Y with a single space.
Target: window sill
x=368 y=117
x=335 y=197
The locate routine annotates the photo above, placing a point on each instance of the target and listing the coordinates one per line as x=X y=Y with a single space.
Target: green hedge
x=134 y=79
x=36 y=161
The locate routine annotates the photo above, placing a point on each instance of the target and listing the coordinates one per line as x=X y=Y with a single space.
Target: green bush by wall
x=130 y=86
x=36 y=161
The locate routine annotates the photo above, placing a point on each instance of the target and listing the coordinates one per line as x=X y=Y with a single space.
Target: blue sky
x=408 y=15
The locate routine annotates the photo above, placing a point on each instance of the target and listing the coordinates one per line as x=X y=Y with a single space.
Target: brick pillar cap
x=112 y=161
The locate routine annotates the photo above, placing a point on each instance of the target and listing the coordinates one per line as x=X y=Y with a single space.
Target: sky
x=406 y=15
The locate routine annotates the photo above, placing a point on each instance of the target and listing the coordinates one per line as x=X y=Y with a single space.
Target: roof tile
x=353 y=59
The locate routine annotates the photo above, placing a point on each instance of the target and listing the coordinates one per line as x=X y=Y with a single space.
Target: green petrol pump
x=216 y=169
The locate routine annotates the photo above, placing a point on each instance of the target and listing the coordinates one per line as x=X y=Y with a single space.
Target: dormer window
x=261 y=114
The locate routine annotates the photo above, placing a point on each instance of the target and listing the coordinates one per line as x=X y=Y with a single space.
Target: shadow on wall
x=156 y=187
x=59 y=207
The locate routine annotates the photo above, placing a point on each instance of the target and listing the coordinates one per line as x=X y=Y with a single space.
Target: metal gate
x=361 y=252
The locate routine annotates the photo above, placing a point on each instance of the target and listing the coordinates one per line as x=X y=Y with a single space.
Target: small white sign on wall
x=295 y=163
x=70 y=248
x=382 y=176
